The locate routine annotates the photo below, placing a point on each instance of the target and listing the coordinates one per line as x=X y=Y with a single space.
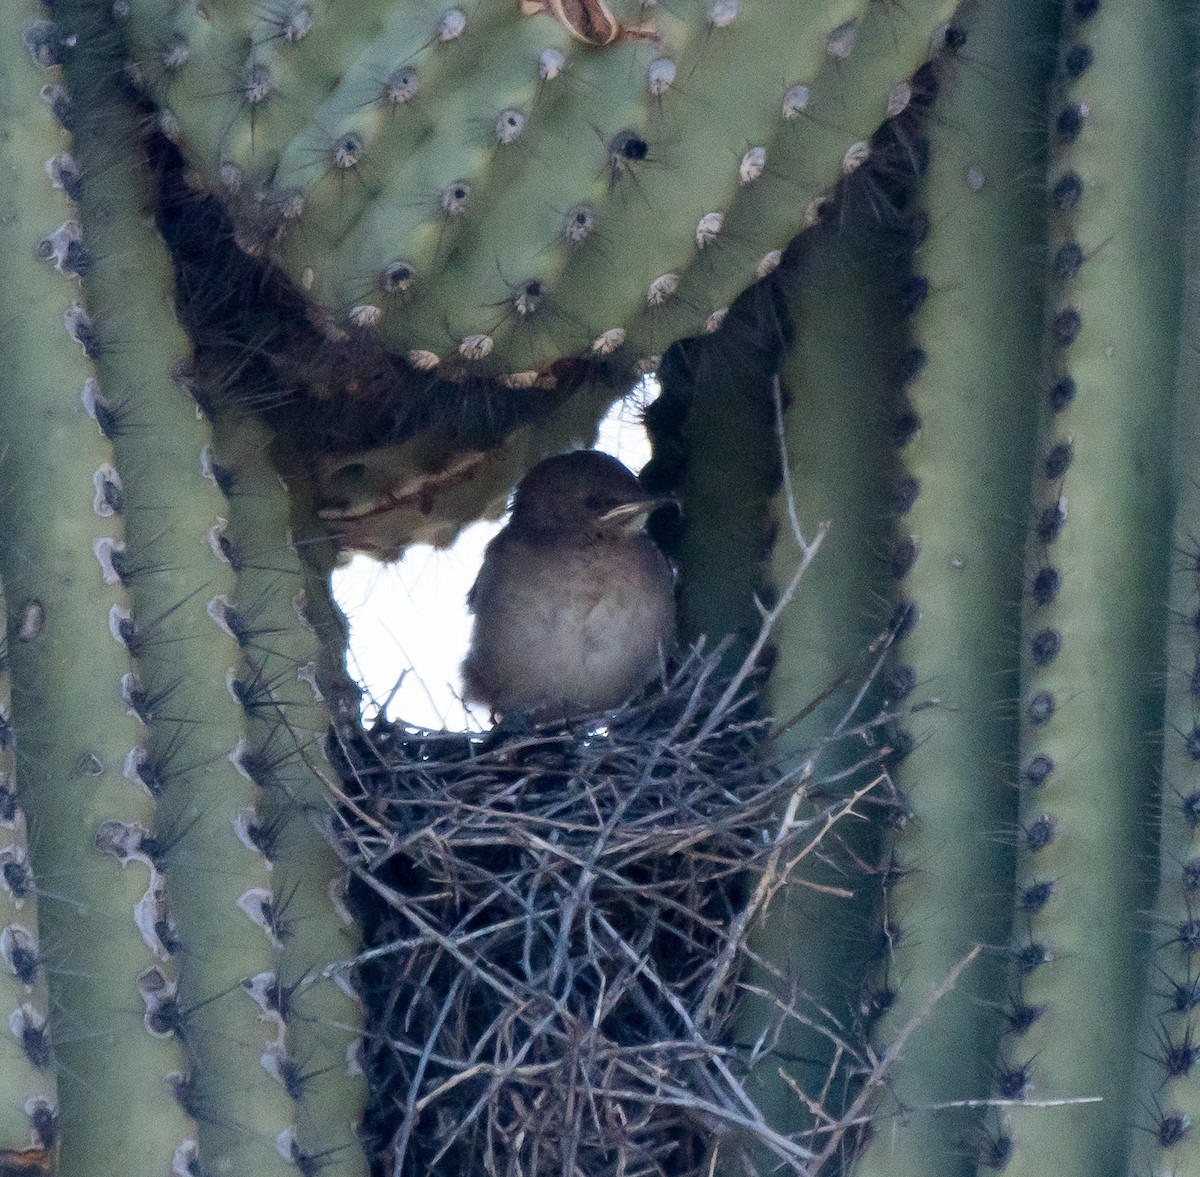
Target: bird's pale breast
x=570 y=627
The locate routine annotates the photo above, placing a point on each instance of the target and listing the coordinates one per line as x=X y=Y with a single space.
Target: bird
x=574 y=604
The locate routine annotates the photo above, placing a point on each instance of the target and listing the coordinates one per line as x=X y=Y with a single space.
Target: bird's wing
x=473 y=592
x=487 y=571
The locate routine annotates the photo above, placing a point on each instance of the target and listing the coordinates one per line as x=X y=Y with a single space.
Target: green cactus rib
x=1167 y=1046
x=710 y=427
x=1096 y=555
x=964 y=432
x=858 y=80
x=499 y=224
x=289 y=721
x=28 y=1088
x=100 y=921
x=813 y=941
x=182 y=635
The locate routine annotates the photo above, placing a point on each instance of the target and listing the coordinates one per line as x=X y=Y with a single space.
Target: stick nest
x=558 y=924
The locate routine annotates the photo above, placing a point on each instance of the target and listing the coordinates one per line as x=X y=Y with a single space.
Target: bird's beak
x=632 y=516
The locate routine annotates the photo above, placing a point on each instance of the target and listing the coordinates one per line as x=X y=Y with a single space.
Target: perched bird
x=574 y=605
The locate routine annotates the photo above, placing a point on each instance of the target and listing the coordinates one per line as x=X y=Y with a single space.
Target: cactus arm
x=111 y=980
x=281 y=685
x=1169 y=1033
x=965 y=438
x=415 y=207
x=1095 y=557
x=184 y=644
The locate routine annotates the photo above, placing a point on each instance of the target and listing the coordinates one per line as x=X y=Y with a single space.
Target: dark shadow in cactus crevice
x=320 y=392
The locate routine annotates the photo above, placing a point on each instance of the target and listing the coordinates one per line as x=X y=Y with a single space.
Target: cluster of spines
x=1168 y=1044
x=1094 y=557
x=534 y=223
x=280 y=686
x=28 y=1090
x=961 y=441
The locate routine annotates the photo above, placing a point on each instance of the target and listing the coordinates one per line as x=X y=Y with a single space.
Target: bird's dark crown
x=576 y=490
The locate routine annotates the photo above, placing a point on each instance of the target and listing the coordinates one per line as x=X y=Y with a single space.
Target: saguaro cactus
x=477 y=204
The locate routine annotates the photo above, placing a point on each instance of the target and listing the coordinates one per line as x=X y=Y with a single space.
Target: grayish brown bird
x=574 y=605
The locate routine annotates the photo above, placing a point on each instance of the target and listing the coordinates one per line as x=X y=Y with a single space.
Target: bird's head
x=582 y=491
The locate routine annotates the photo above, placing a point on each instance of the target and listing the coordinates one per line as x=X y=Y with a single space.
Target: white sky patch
x=409 y=626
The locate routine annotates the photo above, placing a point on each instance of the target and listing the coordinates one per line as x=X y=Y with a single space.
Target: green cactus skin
x=859 y=79
x=1166 y=1049
x=837 y=375
x=1096 y=555
x=503 y=224
x=184 y=638
x=100 y=920
x=710 y=427
x=813 y=315
x=1090 y=643
x=280 y=682
x=964 y=432
x=27 y=1080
